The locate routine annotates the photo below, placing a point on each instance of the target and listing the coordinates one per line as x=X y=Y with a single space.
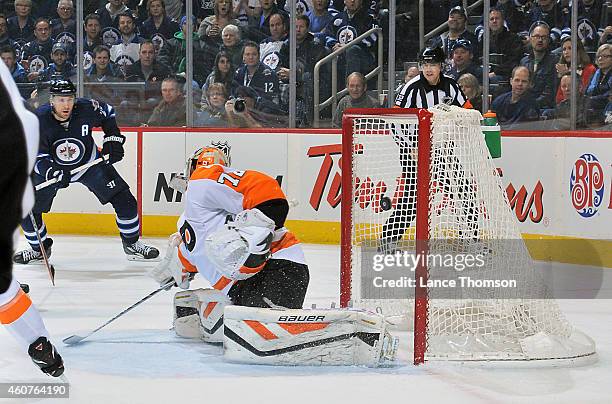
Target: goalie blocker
x=306 y=337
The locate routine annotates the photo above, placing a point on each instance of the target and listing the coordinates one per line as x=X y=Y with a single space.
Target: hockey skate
x=32 y=256
x=45 y=356
x=139 y=251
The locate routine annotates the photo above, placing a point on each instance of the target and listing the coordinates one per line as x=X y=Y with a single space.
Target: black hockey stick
x=49 y=266
x=72 y=172
x=75 y=339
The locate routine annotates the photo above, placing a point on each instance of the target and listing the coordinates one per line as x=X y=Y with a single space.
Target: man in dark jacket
x=517 y=105
x=541 y=63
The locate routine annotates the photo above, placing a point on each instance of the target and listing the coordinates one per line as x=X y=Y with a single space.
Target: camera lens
x=239 y=106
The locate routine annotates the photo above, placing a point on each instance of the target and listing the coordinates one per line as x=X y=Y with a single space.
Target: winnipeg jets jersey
x=70 y=144
x=215 y=194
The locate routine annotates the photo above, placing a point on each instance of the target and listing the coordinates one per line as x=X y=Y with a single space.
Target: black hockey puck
x=385 y=202
x=25 y=287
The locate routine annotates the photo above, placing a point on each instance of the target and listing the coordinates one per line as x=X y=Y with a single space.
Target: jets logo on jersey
x=68 y=151
x=110 y=36
x=158 y=41
x=65 y=38
x=87 y=60
x=586 y=29
x=124 y=61
x=346 y=35
x=271 y=60
x=37 y=63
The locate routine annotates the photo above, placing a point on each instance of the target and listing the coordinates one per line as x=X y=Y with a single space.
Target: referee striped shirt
x=418 y=93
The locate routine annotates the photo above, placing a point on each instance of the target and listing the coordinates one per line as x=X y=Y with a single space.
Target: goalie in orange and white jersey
x=232 y=233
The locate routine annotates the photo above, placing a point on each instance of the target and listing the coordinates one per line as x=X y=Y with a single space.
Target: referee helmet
x=432 y=55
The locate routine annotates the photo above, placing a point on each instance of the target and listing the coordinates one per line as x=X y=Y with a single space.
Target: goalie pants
x=107 y=185
x=13 y=180
x=282 y=282
x=454 y=184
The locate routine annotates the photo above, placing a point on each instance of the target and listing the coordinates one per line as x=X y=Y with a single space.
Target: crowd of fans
x=135 y=56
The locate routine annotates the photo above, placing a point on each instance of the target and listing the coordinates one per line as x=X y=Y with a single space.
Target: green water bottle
x=492 y=133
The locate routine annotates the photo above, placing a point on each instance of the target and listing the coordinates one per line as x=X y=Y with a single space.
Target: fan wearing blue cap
x=463 y=61
x=457 y=21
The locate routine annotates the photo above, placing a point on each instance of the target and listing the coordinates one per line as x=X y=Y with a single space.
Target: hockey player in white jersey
x=18 y=146
x=233 y=233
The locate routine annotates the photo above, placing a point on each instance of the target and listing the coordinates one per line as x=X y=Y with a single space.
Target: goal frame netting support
x=422 y=225
x=513 y=327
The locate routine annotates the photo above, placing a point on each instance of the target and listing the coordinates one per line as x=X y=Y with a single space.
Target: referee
x=427 y=89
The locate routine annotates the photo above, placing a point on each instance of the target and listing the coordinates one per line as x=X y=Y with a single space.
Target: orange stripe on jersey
x=254 y=186
x=299 y=328
x=252 y=270
x=222 y=283
x=187 y=266
x=260 y=329
x=468 y=105
x=287 y=241
x=14 y=309
x=209 y=308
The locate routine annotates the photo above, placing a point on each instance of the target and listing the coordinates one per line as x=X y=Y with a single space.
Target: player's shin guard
x=306 y=337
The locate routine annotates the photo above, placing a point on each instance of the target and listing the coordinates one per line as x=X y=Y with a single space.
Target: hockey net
x=422 y=183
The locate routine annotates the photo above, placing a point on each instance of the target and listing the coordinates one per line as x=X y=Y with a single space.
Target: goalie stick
x=75 y=339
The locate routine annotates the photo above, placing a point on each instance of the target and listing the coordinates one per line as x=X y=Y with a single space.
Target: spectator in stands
x=561 y=113
x=37 y=53
x=553 y=13
x=21 y=25
x=541 y=63
x=357 y=97
x=245 y=10
x=585 y=69
x=4 y=37
x=309 y=50
x=591 y=10
x=411 y=73
x=109 y=14
x=222 y=73
x=59 y=68
x=505 y=48
x=348 y=25
x=232 y=44
x=127 y=51
x=269 y=48
x=171 y=109
x=513 y=16
x=598 y=91
x=158 y=27
x=213 y=25
x=103 y=70
x=173 y=55
x=259 y=28
x=65 y=22
x=320 y=19
x=147 y=68
x=517 y=105
x=244 y=111
x=457 y=20
x=463 y=61
x=254 y=74
x=213 y=109
x=7 y=53
x=92 y=32
x=471 y=88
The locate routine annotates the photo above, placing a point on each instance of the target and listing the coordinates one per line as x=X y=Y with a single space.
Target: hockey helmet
x=62 y=87
x=432 y=55
x=216 y=153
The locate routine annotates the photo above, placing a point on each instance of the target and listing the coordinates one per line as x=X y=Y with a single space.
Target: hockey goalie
x=233 y=233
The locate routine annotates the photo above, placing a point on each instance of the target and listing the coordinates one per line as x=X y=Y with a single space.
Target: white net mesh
x=468 y=213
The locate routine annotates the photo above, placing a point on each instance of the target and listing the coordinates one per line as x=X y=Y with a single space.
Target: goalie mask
x=216 y=153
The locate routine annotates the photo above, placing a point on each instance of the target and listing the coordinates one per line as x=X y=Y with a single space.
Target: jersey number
x=230 y=178
x=268 y=87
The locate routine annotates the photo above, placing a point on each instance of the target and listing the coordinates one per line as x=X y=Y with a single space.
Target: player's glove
x=60 y=174
x=113 y=146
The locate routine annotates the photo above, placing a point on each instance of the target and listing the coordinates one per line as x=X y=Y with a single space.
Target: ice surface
x=137 y=359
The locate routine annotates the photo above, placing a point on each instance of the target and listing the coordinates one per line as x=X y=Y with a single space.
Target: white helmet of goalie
x=216 y=153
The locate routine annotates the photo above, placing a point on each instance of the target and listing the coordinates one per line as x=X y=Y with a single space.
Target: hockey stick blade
x=76 y=339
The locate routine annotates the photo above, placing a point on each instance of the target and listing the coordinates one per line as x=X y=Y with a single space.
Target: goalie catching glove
x=241 y=249
x=171 y=267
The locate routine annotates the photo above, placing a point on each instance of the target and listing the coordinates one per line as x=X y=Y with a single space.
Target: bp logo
x=68 y=151
x=587 y=185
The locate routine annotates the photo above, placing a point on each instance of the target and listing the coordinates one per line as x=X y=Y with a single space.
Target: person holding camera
x=241 y=110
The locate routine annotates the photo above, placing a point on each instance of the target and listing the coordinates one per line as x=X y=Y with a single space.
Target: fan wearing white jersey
x=232 y=233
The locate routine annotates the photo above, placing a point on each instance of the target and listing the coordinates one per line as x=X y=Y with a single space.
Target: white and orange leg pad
x=306 y=337
x=198 y=314
x=20 y=316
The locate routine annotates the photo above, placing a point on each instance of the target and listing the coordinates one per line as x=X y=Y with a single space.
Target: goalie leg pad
x=212 y=304
x=186 y=318
x=306 y=337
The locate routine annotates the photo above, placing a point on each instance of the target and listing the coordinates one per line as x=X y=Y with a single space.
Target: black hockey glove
x=62 y=175
x=113 y=146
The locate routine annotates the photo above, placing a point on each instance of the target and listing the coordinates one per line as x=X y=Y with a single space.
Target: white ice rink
x=137 y=359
